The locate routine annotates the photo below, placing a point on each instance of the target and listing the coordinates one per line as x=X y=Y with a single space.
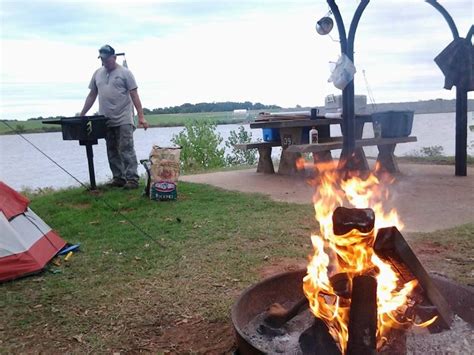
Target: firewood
x=392 y=247
x=341 y=284
x=317 y=340
x=346 y=219
x=277 y=315
x=363 y=316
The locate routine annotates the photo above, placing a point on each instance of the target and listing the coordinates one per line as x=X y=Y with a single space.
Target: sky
x=187 y=51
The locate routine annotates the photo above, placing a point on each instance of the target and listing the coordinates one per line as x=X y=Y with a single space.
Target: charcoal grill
x=85 y=129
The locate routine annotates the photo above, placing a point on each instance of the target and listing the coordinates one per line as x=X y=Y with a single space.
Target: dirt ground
x=427 y=197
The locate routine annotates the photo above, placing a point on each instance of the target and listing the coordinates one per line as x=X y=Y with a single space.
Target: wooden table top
x=298 y=121
x=295 y=123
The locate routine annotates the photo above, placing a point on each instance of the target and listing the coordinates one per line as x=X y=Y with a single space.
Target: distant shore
x=229 y=117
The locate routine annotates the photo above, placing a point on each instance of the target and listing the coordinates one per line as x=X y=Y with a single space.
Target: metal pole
x=346 y=142
x=350 y=87
x=90 y=162
x=461 y=103
x=461 y=132
x=446 y=16
x=347 y=48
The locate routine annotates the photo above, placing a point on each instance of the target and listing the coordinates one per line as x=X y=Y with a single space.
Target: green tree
x=20 y=128
x=199 y=143
x=239 y=156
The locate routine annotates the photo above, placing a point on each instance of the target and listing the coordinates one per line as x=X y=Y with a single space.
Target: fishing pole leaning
x=114 y=209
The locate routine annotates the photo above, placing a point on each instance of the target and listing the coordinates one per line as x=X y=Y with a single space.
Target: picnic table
x=291 y=129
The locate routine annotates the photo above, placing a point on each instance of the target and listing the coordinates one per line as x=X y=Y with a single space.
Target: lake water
x=23 y=166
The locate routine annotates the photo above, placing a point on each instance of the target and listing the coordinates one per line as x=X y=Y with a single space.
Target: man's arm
x=90 y=99
x=138 y=105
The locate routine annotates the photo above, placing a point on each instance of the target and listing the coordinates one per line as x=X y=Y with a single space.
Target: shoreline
x=182 y=121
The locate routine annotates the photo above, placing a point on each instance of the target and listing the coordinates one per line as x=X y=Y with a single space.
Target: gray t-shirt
x=114 y=94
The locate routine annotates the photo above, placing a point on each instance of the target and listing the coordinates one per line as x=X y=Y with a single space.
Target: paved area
x=427 y=197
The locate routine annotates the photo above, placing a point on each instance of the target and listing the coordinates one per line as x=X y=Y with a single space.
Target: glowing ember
x=352 y=254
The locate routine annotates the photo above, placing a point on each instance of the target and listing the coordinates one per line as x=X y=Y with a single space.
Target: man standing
x=117 y=90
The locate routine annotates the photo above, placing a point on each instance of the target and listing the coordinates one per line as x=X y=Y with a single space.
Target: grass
x=437 y=160
x=164 y=120
x=213 y=243
x=448 y=252
x=127 y=290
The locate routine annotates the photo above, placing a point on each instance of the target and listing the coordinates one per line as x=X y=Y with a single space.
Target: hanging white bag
x=343 y=72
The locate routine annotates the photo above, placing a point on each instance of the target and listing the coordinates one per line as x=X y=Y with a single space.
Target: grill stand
x=90 y=161
x=87 y=130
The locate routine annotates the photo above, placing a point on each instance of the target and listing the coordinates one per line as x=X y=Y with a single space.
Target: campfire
x=363 y=286
x=345 y=273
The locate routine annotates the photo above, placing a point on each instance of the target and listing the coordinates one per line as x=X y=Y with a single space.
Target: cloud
x=190 y=51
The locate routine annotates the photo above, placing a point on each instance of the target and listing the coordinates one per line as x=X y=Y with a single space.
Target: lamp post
x=348 y=109
x=461 y=100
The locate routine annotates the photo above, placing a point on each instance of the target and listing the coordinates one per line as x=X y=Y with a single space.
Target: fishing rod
x=114 y=209
x=369 y=92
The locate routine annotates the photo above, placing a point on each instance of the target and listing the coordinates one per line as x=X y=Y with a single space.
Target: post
x=461 y=102
x=461 y=132
x=347 y=48
x=90 y=162
x=350 y=87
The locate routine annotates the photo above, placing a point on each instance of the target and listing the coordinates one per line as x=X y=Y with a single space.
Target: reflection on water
x=21 y=165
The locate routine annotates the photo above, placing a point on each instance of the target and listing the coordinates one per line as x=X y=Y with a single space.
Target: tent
x=27 y=243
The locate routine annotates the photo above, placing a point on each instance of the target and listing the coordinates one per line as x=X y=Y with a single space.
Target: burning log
x=363 y=316
x=277 y=315
x=392 y=247
x=317 y=340
x=346 y=219
x=341 y=284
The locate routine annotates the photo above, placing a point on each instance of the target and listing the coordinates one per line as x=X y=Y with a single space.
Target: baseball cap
x=106 y=51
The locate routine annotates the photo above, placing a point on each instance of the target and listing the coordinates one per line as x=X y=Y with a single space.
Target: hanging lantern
x=324 y=26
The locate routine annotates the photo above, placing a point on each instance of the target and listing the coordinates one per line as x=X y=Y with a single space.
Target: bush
x=20 y=128
x=200 y=146
x=238 y=156
x=431 y=152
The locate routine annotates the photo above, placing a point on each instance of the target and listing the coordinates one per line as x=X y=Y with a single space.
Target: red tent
x=27 y=243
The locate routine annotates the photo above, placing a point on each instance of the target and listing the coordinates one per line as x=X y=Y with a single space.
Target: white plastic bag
x=343 y=72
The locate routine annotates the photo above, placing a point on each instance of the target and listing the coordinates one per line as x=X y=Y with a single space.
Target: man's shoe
x=130 y=185
x=116 y=183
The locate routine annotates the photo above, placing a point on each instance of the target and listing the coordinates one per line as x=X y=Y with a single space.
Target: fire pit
x=286 y=288
x=362 y=290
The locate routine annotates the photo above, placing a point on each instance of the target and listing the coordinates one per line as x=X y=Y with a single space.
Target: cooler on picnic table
x=393 y=124
x=162 y=168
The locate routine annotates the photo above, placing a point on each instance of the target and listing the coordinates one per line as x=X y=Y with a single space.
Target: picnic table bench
x=291 y=128
x=385 y=158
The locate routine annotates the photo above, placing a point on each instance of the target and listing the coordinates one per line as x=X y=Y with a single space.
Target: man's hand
x=143 y=123
x=138 y=105
x=90 y=99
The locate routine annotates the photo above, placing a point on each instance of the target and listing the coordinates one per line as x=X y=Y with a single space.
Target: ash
x=458 y=340
x=284 y=340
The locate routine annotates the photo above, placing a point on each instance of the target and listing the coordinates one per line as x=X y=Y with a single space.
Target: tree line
x=209 y=107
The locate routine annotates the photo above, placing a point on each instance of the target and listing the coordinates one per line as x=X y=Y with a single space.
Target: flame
x=352 y=253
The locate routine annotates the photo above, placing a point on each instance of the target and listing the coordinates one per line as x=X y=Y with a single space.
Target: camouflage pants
x=121 y=153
